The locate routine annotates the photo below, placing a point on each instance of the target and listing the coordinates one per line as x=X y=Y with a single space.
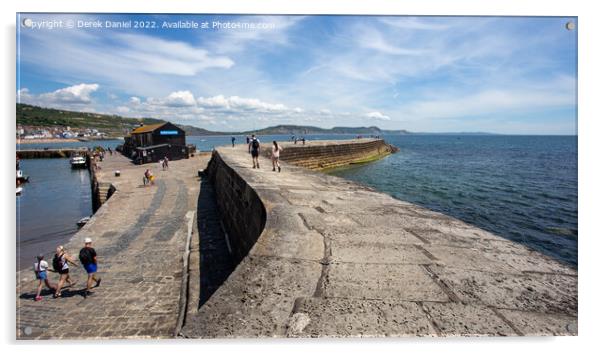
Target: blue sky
x=512 y=75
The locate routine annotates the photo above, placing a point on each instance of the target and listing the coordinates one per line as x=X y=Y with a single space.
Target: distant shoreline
x=55 y=140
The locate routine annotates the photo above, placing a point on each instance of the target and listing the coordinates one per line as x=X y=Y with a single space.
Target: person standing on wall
x=254 y=148
x=87 y=257
x=233 y=139
x=276 y=156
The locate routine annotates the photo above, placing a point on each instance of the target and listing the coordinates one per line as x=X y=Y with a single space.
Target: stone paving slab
x=139 y=235
x=347 y=317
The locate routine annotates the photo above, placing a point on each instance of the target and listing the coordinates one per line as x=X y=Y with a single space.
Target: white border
x=589 y=170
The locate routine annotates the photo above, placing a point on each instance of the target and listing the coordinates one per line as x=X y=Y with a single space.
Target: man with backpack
x=87 y=256
x=254 y=149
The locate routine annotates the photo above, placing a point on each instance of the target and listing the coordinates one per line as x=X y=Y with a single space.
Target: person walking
x=233 y=139
x=41 y=270
x=60 y=264
x=166 y=162
x=248 y=140
x=254 y=148
x=149 y=178
x=276 y=156
x=87 y=257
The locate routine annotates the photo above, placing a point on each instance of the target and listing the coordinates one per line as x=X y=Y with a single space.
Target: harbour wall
x=48 y=153
x=316 y=155
x=242 y=213
x=321 y=256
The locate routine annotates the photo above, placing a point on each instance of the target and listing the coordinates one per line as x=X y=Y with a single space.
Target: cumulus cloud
x=76 y=95
x=180 y=99
x=377 y=116
x=235 y=103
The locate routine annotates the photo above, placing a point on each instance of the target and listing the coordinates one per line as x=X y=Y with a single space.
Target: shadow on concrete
x=216 y=261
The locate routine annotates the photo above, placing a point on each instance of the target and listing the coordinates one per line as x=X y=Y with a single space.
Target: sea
x=522 y=188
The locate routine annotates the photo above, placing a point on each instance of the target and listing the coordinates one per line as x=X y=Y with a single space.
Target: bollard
x=117 y=173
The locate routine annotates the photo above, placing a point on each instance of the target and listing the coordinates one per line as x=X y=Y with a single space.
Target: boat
x=82 y=222
x=78 y=161
x=21 y=178
x=19 y=189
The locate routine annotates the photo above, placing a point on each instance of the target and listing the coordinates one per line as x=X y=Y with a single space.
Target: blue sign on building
x=168 y=132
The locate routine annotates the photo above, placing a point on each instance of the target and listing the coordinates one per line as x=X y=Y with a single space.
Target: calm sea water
x=55 y=198
x=523 y=188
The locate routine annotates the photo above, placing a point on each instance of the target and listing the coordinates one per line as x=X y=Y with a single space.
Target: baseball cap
x=87 y=240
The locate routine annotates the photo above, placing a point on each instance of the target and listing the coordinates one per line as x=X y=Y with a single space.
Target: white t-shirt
x=276 y=151
x=43 y=266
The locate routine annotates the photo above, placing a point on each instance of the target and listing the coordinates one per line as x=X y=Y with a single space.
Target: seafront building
x=151 y=143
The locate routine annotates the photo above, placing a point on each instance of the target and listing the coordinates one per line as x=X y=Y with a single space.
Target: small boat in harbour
x=82 y=222
x=19 y=189
x=78 y=161
x=21 y=178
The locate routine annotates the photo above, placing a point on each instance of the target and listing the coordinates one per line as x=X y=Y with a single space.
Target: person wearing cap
x=41 y=270
x=87 y=256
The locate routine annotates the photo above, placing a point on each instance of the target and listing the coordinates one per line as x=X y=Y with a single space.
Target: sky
x=511 y=75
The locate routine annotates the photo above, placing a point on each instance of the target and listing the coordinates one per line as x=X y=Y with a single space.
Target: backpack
x=255 y=144
x=84 y=256
x=57 y=263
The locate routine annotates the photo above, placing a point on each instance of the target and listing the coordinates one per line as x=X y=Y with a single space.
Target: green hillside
x=113 y=125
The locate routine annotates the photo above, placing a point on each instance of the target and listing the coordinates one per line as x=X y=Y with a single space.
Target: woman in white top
x=60 y=264
x=41 y=270
x=276 y=156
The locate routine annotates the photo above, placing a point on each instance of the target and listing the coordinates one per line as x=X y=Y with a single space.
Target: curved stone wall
x=319 y=155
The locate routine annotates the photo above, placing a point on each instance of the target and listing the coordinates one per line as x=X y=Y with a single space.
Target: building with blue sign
x=151 y=143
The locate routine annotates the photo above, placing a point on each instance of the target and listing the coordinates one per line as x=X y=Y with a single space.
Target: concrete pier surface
x=321 y=256
x=140 y=235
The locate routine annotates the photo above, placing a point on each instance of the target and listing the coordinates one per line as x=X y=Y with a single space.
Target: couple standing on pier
x=60 y=264
x=254 y=148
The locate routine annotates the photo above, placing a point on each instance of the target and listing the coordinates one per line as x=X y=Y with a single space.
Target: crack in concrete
x=506 y=321
x=325 y=261
x=444 y=287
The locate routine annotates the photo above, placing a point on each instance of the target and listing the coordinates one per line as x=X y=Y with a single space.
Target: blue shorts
x=90 y=268
x=41 y=275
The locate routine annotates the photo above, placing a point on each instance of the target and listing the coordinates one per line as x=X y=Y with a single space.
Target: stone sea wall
x=242 y=212
x=318 y=156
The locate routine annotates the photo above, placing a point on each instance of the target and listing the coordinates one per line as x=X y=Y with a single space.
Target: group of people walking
x=255 y=148
x=60 y=265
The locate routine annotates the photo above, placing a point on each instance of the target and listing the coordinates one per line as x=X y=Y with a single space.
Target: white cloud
x=413 y=23
x=235 y=103
x=123 y=109
x=76 y=95
x=180 y=99
x=377 y=116
x=134 y=100
x=159 y=56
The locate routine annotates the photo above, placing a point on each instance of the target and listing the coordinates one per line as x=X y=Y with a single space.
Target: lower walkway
x=139 y=234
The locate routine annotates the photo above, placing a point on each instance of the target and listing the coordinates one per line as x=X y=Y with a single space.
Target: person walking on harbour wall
x=276 y=156
x=41 y=270
x=254 y=148
x=60 y=264
x=87 y=257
